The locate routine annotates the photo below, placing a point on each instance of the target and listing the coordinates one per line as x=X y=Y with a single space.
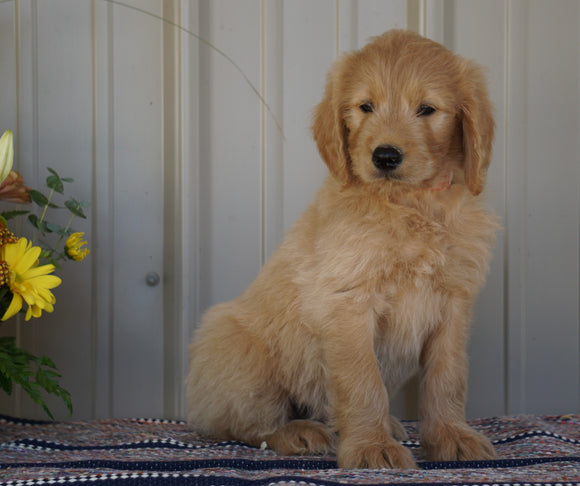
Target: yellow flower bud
x=73 y=247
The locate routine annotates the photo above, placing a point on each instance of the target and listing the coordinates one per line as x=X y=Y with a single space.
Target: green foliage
x=33 y=374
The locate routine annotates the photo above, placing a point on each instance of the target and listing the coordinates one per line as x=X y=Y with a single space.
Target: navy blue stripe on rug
x=174 y=466
x=13 y=420
x=251 y=465
x=152 y=444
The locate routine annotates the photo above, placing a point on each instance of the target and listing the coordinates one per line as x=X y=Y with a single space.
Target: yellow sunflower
x=28 y=281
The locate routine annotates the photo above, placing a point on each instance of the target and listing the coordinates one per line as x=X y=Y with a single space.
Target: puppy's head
x=405 y=109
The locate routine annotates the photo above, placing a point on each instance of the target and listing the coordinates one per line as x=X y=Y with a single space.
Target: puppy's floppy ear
x=478 y=127
x=330 y=132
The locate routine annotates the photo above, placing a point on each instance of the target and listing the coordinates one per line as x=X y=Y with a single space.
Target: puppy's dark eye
x=425 y=110
x=367 y=108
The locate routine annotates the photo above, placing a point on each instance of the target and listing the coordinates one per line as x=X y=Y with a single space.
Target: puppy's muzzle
x=387 y=158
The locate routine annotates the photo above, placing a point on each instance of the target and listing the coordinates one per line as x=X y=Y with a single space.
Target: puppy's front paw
x=457 y=442
x=389 y=454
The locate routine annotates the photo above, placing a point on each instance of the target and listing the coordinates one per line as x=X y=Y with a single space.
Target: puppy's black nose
x=387 y=157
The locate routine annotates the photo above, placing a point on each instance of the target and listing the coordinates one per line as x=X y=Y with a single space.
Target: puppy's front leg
x=445 y=434
x=360 y=400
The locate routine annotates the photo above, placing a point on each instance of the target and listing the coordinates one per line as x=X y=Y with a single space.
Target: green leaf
x=75 y=207
x=54 y=182
x=38 y=198
x=46 y=361
x=64 y=231
x=5 y=299
x=6 y=341
x=34 y=221
x=50 y=258
x=44 y=227
x=54 y=174
x=8 y=215
x=41 y=200
x=52 y=227
x=5 y=383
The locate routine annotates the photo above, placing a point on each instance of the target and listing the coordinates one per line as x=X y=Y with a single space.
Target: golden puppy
x=375 y=281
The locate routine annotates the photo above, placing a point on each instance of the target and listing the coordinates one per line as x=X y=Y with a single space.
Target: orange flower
x=13 y=189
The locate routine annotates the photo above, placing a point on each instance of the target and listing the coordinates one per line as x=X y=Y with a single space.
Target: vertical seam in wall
x=263 y=216
x=111 y=192
x=506 y=275
x=17 y=68
x=179 y=300
x=185 y=279
x=578 y=322
x=34 y=59
x=523 y=250
x=94 y=266
x=422 y=17
x=417 y=16
x=336 y=28
x=578 y=311
x=410 y=15
x=172 y=242
x=196 y=169
x=448 y=35
x=522 y=213
x=353 y=27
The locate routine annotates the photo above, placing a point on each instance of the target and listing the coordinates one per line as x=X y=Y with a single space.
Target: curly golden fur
x=376 y=280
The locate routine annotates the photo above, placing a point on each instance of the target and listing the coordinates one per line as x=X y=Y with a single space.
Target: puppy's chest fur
x=411 y=249
x=411 y=263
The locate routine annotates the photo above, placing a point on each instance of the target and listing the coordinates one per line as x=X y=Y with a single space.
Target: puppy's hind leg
x=231 y=387
x=233 y=391
x=397 y=429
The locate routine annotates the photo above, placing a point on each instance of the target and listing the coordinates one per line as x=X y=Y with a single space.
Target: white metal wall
x=191 y=176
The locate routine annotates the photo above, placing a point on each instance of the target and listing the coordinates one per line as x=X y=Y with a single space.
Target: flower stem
x=45 y=209
x=64 y=232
